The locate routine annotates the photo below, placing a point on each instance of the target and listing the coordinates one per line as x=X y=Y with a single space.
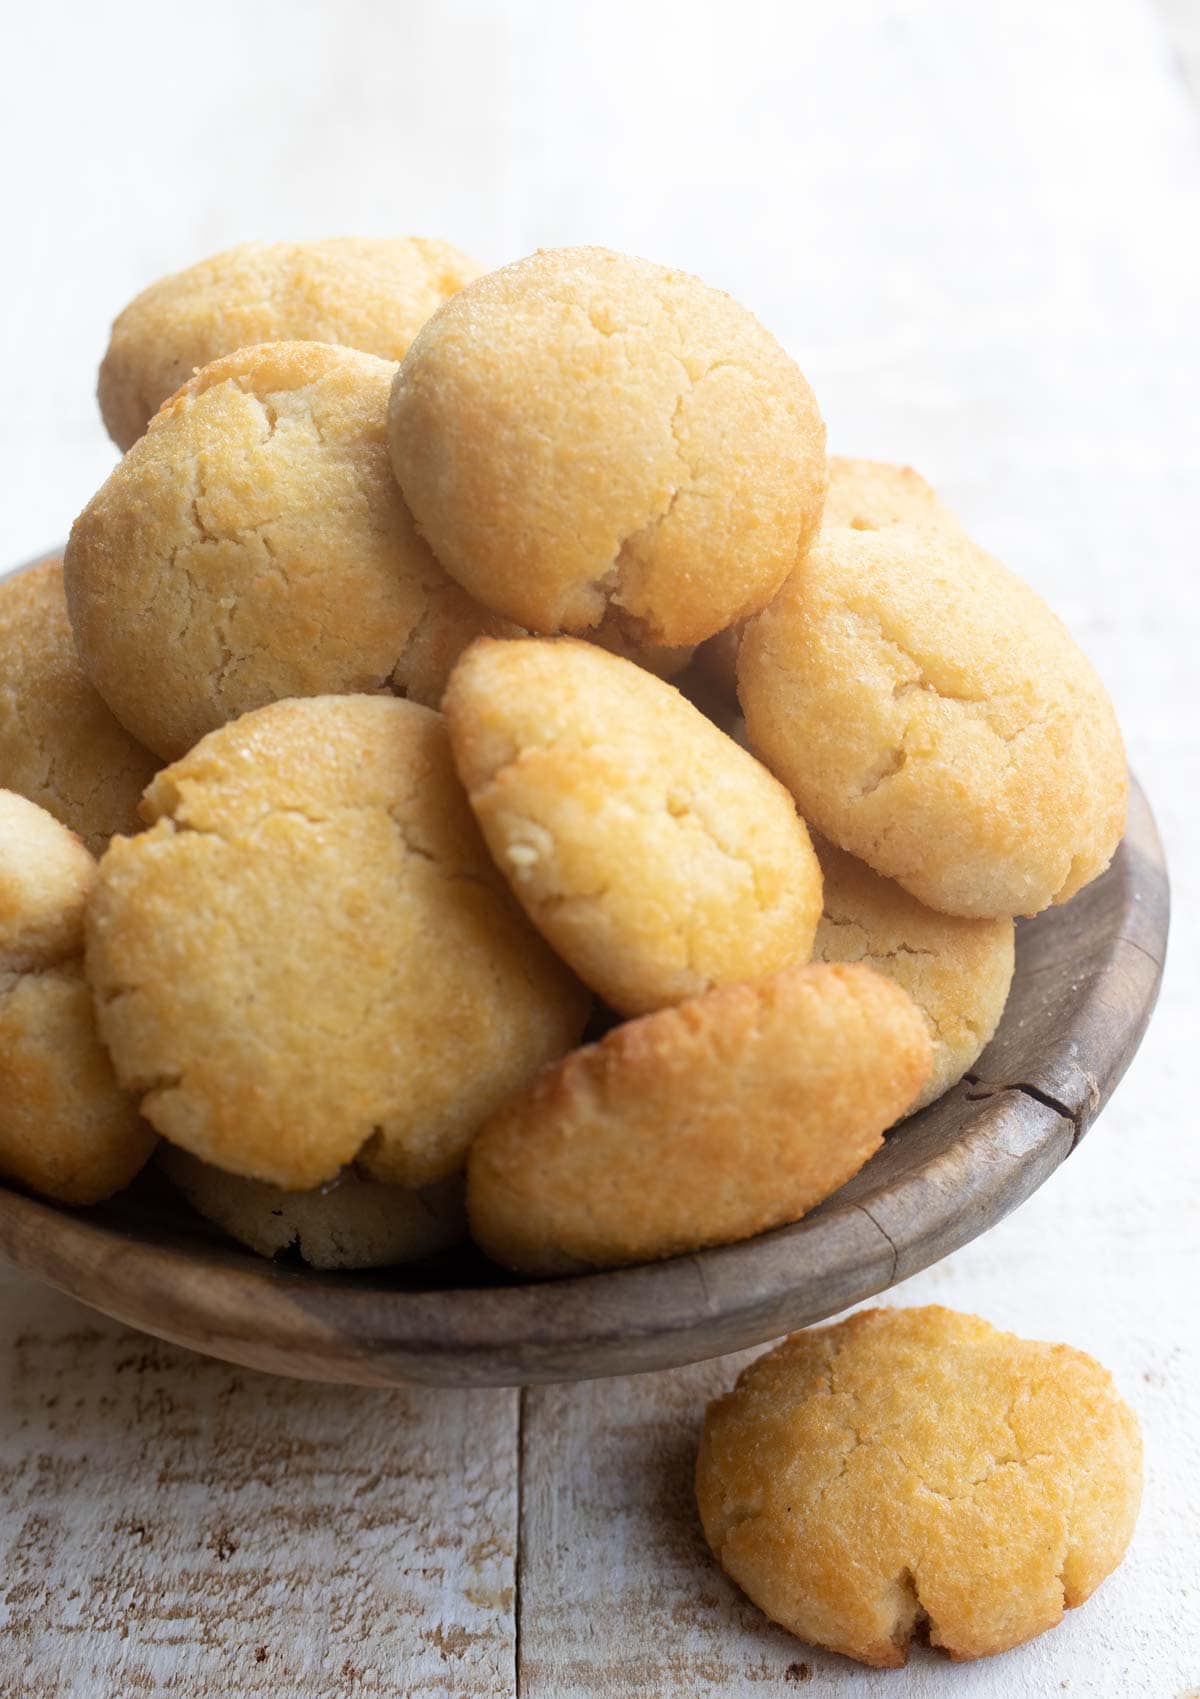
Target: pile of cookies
x=355 y=679
x=459 y=667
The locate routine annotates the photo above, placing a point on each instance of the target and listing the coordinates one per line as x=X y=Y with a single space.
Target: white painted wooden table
x=976 y=225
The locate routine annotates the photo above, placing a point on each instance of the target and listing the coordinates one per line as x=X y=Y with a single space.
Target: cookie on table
x=370 y=293
x=66 y=1129
x=958 y=972
x=913 y=1467
x=353 y=1222
x=582 y=434
x=866 y=495
x=310 y=959
x=254 y=546
x=658 y=857
x=933 y=717
x=60 y=744
x=699 y=1125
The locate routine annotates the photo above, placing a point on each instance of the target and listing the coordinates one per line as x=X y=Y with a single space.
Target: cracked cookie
x=60 y=744
x=658 y=857
x=353 y=1222
x=919 y=1468
x=956 y=971
x=933 y=717
x=582 y=434
x=309 y=958
x=66 y=1129
x=254 y=546
x=866 y=495
x=699 y=1125
x=369 y=293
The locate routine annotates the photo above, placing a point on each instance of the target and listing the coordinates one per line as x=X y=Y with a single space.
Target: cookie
x=254 y=546
x=351 y=1223
x=373 y=294
x=866 y=495
x=60 y=745
x=66 y=1130
x=584 y=432
x=657 y=857
x=733 y=1113
x=309 y=958
x=872 y=495
x=934 y=718
x=919 y=1467
x=956 y=971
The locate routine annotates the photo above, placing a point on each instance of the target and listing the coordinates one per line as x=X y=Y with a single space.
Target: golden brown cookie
x=933 y=717
x=254 y=546
x=309 y=957
x=656 y=856
x=66 y=1130
x=956 y=971
x=353 y=1222
x=373 y=294
x=735 y=1112
x=866 y=495
x=584 y=432
x=912 y=1467
x=871 y=495
x=60 y=745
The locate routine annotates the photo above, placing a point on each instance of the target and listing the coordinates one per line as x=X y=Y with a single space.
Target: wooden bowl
x=1086 y=982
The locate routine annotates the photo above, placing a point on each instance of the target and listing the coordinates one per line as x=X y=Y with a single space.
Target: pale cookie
x=956 y=971
x=733 y=1113
x=866 y=495
x=60 y=744
x=66 y=1129
x=656 y=856
x=584 y=432
x=309 y=957
x=912 y=1468
x=353 y=1222
x=373 y=294
x=254 y=546
x=933 y=717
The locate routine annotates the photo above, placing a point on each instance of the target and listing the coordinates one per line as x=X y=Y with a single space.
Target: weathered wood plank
x=172 y=1525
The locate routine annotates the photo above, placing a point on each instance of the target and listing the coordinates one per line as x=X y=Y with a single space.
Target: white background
x=975 y=225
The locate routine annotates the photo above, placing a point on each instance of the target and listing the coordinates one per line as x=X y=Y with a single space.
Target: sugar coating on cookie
x=919 y=1466
x=699 y=1125
x=583 y=432
x=658 y=857
x=66 y=1130
x=309 y=958
x=958 y=972
x=254 y=546
x=353 y=1222
x=933 y=717
x=371 y=293
x=60 y=744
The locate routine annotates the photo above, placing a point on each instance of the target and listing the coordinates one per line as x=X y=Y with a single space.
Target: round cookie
x=918 y=1466
x=933 y=717
x=871 y=495
x=60 y=744
x=309 y=958
x=658 y=857
x=353 y=1222
x=733 y=1113
x=66 y=1130
x=583 y=432
x=373 y=294
x=254 y=546
x=956 y=971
